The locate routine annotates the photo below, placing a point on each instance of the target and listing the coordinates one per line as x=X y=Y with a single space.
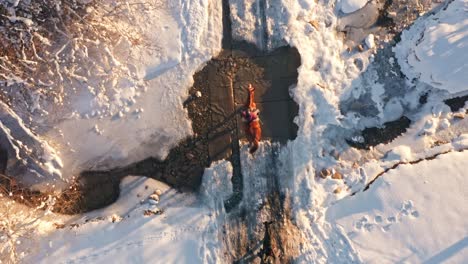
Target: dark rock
x=382 y=135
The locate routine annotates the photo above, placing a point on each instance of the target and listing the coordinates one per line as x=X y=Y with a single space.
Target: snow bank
x=434 y=50
x=130 y=107
x=217 y=183
x=118 y=99
x=187 y=231
x=414 y=213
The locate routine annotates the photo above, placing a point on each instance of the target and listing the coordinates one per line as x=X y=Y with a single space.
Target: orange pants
x=253 y=131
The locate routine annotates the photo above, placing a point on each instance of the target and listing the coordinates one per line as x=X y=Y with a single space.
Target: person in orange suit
x=253 y=131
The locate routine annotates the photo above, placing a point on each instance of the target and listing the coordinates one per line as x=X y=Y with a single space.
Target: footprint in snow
x=408 y=205
x=369 y=227
x=364 y=225
x=386 y=228
x=415 y=214
x=362 y=222
x=378 y=219
x=407 y=209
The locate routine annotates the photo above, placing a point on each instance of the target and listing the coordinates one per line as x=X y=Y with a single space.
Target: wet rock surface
x=3 y=160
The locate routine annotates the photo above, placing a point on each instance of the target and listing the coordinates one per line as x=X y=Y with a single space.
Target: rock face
x=23 y=155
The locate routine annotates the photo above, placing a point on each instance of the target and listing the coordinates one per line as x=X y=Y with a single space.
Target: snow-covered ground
x=130 y=121
x=125 y=103
x=434 y=51
x=413 y=212
x=349 y=6
x=183 y=228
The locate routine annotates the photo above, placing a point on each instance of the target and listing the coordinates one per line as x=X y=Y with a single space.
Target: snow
x=370 y=42
x=414 y=213
x=185 y=45
x=187 y=231
x=392 y=111
x=435 y=42
x=349 y=6
x=130 y=105
x=400 y=153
